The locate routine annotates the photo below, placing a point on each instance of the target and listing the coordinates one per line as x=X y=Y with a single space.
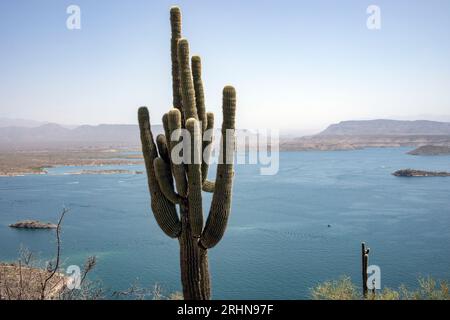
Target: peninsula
x=430 y=150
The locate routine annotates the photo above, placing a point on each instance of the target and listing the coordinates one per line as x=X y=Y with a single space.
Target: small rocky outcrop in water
x=420 y=173
x=430 y=150
x=33 y=224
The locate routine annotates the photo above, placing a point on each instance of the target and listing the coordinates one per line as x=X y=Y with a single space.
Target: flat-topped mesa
x=420 y=173
x=33 y=224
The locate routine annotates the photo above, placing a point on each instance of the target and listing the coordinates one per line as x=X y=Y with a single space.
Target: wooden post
x=365 y=263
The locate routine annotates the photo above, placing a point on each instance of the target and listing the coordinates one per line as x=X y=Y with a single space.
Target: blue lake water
x=278 y=244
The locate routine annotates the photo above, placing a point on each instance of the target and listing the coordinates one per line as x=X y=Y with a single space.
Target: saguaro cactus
x=187 y=224
x=365 y=264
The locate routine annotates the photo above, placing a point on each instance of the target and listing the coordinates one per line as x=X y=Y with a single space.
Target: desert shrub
x=345 y=289
x=137 y=292
x=341 y=289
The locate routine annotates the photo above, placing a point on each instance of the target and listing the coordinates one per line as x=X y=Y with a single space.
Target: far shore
x=25 y=163
x=16 y=164
x=76 y=173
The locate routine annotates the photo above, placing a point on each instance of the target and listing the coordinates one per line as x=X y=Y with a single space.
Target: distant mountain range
x=54 y=136
x=387 y=127
x=7 y=122
x=344 y=135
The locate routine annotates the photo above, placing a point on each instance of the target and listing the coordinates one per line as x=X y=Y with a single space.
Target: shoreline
x=19 y=164
x=22 y=164
x=76 y=173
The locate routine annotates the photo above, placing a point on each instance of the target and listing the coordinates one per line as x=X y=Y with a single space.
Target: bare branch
x=58 y=253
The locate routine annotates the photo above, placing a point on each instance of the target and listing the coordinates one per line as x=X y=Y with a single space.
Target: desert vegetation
x=345 y=289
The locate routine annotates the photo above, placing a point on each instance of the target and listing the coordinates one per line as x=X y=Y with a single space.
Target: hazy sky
x=295 y=64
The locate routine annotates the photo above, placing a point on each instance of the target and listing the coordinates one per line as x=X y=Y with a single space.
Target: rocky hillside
x=349 y=135
x=430 y=150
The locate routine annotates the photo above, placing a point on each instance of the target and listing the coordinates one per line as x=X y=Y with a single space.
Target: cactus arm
x=209 y=186
x=208 y=135
x=221 y=202
x=187 y=85
x=179 y=172
x=195 y=178
x=163 y=150
x=175 y=22
x=165 y=180
x=165 y=121
x=196 y=64
x=164 y=211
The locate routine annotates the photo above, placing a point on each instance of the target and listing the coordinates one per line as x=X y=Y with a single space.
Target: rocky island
x=33 y=224
x=420 y=173
x=430 y=150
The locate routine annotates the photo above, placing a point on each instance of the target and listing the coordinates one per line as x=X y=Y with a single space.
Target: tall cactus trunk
x=193 y=263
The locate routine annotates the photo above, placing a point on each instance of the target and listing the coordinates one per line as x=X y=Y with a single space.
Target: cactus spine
x=173 y=185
